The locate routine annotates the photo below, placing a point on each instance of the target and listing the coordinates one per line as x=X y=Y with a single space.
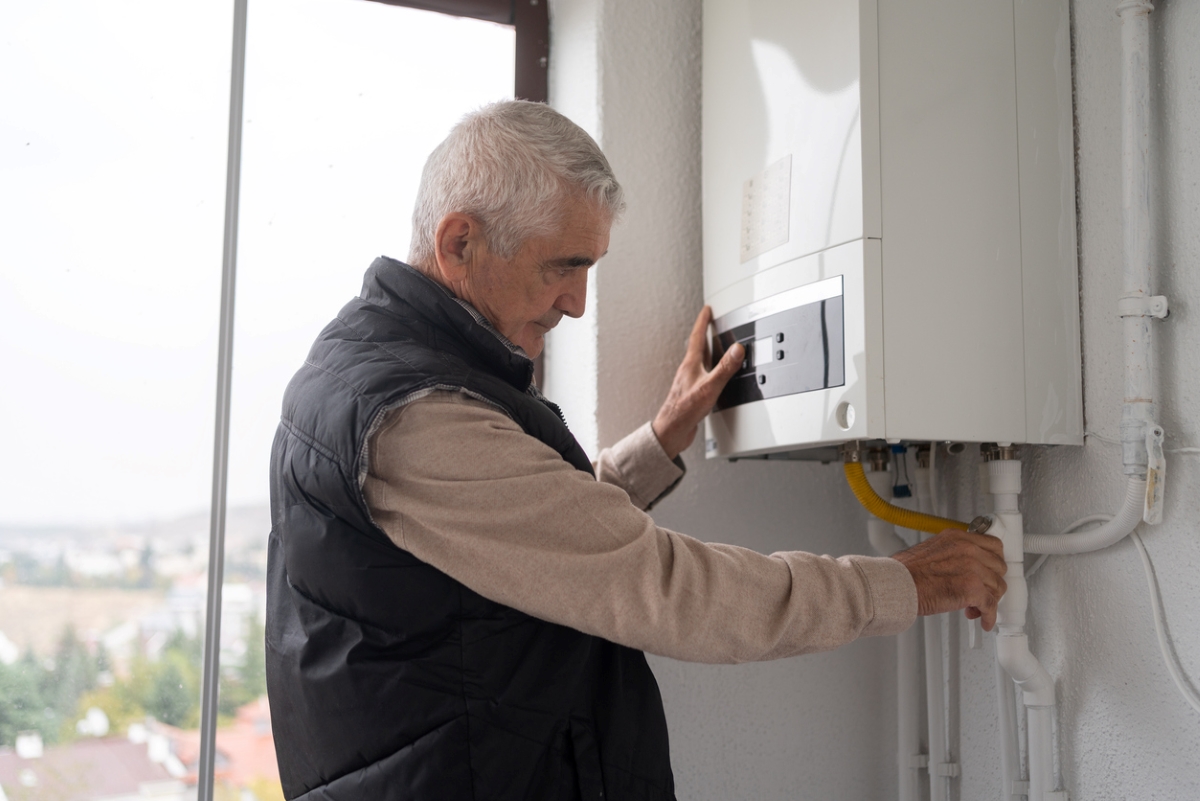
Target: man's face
x=526 y=296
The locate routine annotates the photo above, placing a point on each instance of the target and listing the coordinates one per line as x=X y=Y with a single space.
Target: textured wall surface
x=823 y=726
x=569 y=360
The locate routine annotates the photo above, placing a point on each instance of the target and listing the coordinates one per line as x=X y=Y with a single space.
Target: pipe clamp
x=1141 y=306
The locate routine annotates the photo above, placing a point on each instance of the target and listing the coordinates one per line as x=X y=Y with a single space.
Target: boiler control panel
x=794 y=341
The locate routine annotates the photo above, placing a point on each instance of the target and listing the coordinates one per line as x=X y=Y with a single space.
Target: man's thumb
x=731 y=362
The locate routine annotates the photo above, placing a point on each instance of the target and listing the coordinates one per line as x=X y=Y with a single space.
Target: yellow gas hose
x=857 y=478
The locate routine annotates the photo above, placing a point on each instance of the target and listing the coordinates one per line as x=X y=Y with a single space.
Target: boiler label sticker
x=766 y=209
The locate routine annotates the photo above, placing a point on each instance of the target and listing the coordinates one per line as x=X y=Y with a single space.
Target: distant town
x=101 y=635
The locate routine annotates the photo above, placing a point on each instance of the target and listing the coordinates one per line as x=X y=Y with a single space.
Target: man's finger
x=988 y=543
x=985 y=541
x=993 y=557
x=991 y=549
x=989 y=619
x=730 y=363
x=698 y=339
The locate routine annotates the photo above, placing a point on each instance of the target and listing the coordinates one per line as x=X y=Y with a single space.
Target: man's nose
x=573 y=302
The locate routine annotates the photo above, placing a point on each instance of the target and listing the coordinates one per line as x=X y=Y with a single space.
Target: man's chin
x=534 y=348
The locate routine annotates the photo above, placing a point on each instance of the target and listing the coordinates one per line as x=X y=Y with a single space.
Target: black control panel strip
x=800 y=349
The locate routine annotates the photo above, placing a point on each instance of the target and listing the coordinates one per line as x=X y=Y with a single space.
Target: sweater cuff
x=645 y=469
x=892 y=592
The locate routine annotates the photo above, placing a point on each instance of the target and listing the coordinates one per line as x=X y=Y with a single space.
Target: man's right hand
x=695 y=388
x=957 y=570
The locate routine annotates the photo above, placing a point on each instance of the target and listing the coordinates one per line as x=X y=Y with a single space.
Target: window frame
x=531 y=20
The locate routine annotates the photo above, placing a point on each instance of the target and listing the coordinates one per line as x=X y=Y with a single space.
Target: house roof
x=245 y=748
x=85 y=770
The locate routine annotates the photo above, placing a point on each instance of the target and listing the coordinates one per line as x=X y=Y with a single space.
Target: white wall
x=824 y=726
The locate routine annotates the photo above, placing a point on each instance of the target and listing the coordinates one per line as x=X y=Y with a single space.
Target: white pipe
x=1012 y=643
x=1010 y=761
x=1041 y=751
x=932 y=478
x=935 y=706
x=1138 y=411
x=882 y=534
x=883 y=537
x=886 y=542
x=908 y=691
x=1112 y=532
x=1036 y=685
x=921 y=488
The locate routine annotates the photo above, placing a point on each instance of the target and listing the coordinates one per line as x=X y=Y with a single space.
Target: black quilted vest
x=387 y=678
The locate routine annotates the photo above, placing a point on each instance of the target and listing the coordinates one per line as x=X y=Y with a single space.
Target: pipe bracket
x=1141 y=306
x=1136 y=6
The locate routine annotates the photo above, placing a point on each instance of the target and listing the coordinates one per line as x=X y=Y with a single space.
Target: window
x=112 y=155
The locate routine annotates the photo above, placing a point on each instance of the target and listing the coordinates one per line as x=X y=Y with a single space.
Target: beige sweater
x=460 y=486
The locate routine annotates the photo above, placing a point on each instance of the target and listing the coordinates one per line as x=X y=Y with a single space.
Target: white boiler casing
x=889 y=221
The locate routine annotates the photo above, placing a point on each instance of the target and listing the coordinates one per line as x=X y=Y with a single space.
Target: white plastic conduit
x=1112 y=532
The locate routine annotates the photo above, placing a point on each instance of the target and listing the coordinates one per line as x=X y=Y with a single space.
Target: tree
x=73 y=675
x=21 y=706
x=248 y=681
x=253 y=671
x=169 y=698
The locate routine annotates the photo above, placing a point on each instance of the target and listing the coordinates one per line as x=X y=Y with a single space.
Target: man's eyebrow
x=573 y=261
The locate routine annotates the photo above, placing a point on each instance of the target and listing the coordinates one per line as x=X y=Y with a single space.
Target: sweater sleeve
x=639 y=465
x=461 y=487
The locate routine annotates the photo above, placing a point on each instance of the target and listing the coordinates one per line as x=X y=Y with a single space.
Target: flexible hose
x=1083 y=521
x=1112 y=532
x=857 y=478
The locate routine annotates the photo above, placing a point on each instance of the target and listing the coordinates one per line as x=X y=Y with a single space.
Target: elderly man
x=458 y=599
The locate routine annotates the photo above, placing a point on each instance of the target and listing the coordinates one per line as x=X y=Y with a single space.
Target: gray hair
x=510 y=165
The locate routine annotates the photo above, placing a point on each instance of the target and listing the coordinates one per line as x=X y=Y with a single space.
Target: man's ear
x=457 y=242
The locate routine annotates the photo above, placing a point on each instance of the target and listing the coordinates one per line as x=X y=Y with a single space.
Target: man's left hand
x=695 y=388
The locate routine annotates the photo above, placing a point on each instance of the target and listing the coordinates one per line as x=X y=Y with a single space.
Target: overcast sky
x=112 y=181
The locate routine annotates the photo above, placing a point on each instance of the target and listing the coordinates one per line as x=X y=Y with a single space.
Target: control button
x=762 y=379
x=745 y=364
x=779 y=337
x=778 y=355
